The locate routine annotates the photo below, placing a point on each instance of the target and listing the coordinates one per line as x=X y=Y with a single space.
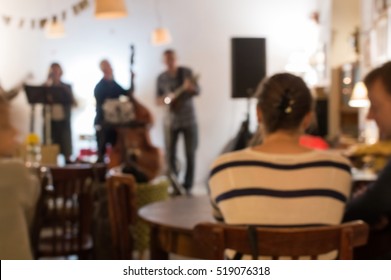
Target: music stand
x=47 y=96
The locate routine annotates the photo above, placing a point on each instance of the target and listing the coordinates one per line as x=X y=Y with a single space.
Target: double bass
x=133 y=149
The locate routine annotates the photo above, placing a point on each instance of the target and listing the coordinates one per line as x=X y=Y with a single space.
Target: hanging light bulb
x=161 y=36
x=359 y=96
x=55 y=29
x=110 y=9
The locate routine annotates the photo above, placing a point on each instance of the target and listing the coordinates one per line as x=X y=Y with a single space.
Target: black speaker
x=322 y=113
x=320 y=125
x=248 y=65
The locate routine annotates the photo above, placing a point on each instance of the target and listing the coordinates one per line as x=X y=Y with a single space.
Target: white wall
x=201 y=33
x=345 y=18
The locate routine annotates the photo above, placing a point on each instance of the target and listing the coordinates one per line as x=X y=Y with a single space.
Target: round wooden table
x=172 y=222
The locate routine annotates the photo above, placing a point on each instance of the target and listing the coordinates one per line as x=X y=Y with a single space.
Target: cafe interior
x=132 y=197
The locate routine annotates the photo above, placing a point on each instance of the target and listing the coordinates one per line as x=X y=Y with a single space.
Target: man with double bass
x=107 y=88
x=176 y=88
x=131 y=145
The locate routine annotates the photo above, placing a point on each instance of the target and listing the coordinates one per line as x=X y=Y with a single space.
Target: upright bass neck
x=143 y=115
x=132 y=87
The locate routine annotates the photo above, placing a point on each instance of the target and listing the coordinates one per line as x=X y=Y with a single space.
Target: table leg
x=156 y=250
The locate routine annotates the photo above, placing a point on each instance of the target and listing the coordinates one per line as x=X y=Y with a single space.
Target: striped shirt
x=252 y=187
x=255 y=188
x=249 y=187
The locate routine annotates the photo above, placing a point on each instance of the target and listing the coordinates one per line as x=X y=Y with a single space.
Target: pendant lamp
x=110 y=9
x=161 y=36
x=359 y=96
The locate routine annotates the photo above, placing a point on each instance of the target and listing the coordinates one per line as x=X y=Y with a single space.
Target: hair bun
x=286 y=102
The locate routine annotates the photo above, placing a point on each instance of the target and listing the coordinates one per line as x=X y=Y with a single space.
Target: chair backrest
x=287 y=242
x=100 y=171
x=44 y=176
x=121 y=190
x=67 y=217
x=100 y=175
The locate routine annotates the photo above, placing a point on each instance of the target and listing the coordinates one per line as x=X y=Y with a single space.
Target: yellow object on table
x=373 y=156
x=50 y=154
x=36 y=154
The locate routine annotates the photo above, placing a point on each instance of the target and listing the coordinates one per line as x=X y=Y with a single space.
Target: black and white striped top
x=252 y=187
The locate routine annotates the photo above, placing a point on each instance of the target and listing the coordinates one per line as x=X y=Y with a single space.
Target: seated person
x=374 y=205
x=280 y=182
x=18 y=194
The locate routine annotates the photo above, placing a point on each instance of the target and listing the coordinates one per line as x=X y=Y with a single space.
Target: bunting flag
x=43 y=22
x=20 y=22
x=64 y=15
x=76 y=9
x=83 y=4
x=7 y=19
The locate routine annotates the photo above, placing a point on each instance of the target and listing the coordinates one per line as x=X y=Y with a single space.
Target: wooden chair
x=44 y=176
x=67 y=213
x=277 y=242
x=101 y=231
x=121 y=190
x=100 y=172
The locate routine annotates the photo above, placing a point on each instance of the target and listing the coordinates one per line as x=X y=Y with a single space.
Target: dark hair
x=53 y=65
x=383 y=73
x=284 y=99
x=169 y=52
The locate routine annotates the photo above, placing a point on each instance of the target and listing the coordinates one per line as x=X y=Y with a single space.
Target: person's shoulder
x=12 y=166
x=99 y=86
x=68 y=85
x=119 y=87
x=15 y=162
x=332 y=156
x=185 y=69
x=230 y=157
x=99 y=83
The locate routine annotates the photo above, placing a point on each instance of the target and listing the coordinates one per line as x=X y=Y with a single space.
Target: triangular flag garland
x=41 y=22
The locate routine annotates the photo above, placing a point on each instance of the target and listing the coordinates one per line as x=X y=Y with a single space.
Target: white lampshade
x=161 y=36
x=55 y=29
x=110 y=9
x=359 y=97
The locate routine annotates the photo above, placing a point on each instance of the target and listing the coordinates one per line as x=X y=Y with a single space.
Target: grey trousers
x=190 y=134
